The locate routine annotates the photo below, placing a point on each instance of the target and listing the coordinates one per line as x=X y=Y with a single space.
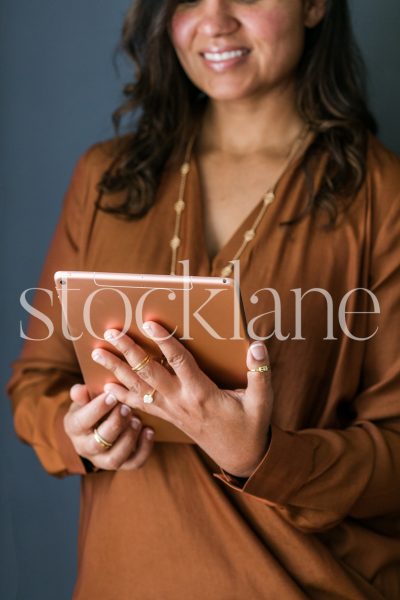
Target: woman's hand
x=130 y=444
x=232 y=427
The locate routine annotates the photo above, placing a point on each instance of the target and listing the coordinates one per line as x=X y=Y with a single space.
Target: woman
x=252 y=118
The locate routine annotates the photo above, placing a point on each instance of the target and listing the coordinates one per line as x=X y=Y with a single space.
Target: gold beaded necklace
x=250 y=234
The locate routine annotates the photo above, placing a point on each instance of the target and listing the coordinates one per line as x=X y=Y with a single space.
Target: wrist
x=242 y=475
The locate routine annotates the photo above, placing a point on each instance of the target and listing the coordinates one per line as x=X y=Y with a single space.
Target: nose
x=217 y=18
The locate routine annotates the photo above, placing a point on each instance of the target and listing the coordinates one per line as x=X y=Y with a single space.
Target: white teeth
x=219 y=56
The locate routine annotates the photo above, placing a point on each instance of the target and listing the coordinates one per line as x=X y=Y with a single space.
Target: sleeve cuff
x=283 y=470
x=72 y=461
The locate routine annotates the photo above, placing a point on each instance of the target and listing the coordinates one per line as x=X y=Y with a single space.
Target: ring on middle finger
x=141 y=365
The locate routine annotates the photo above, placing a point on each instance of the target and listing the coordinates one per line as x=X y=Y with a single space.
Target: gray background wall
x=58 y=89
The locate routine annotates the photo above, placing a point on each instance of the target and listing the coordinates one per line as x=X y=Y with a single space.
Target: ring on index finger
x=100 y=440
x=141 y=365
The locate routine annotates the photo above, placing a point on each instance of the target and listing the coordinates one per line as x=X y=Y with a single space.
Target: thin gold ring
x=141 y=365
x=261 y=369
x=100 y=440
x=149 y=397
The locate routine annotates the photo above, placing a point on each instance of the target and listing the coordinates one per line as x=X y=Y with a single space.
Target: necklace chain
x=249 y=235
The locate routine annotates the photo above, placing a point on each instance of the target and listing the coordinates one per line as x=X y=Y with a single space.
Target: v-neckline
x=227 y=251
x=232 y=242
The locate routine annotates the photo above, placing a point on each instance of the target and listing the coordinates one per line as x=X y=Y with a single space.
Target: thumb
x=79 y=394
x=258 y=381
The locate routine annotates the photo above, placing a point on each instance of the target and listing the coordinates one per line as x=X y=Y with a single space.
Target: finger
x=153 y=373
x=82 y=420
x=112 y=459
x=123 y=372
x=258 y=382
x=136 y=401
x=109 y=429
x=178 y=357
x=133 y=353
x=79 y=394
x=142 y=452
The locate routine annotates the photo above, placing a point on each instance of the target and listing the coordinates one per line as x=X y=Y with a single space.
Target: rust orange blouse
x=320 y=516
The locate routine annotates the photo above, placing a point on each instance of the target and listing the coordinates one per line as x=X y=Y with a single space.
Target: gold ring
x=141 y=365
x=261 y=369
x=100 y=440
x=149 y=397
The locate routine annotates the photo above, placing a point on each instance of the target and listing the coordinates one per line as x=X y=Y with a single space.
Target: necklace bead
x=269 y=198
x=179 y=206
x=175 y=243
x=226 y=271
x=185 y=168
x=249 y=235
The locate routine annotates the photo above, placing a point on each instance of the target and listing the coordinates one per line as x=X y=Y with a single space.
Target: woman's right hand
x=131 y=443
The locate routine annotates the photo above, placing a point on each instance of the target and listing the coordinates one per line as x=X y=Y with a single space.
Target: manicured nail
x=109 y=336
x=110 y=400
x=97 y=357
x=135 y=424
x=149 y=434
x=76 y=387
x=148 y=328
x=258 y=351
x=125 y=410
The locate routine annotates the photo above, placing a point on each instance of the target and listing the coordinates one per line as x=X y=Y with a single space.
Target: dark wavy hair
x=330 y=95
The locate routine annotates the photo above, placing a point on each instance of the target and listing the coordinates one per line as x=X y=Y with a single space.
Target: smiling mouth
x=218 y=57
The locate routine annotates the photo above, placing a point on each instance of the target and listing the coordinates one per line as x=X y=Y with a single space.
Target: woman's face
x=235 y=49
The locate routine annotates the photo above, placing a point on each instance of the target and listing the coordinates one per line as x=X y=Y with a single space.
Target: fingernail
x=258 y=351
x=109 y=336
x=148 y=328
x=110 y=400
x=76 y=387
x=98 y=358
x=125 y=410
x=149 y=434
x=135 y=424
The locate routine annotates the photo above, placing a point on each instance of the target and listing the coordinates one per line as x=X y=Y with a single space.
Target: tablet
x=205 y=313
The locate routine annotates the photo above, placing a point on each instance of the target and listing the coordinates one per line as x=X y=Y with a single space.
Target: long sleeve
x=317 y=477
x=47 y=369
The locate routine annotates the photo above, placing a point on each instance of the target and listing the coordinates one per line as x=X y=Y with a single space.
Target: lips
x=224 y=55
x=223 y=60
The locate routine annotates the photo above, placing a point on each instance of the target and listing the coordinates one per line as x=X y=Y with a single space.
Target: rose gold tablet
x=204 y=313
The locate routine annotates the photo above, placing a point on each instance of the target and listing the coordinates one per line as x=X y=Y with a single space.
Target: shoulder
x=100 y=156
x=82 y=193
x=383 y=199
x=90 y=168
x=383 y=168
x=382 y=186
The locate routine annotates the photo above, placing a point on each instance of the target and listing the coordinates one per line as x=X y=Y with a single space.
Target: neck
x=251 y=125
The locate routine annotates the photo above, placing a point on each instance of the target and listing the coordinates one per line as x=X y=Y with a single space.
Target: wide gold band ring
x=100 y=440
x=261 y=369
x=141 y=365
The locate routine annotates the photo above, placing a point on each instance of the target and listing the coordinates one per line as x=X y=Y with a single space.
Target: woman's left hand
x=231 y=426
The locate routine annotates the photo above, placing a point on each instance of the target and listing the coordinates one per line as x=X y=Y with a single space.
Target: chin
x=237 y=89
x=232 y=96
x=228 y=93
